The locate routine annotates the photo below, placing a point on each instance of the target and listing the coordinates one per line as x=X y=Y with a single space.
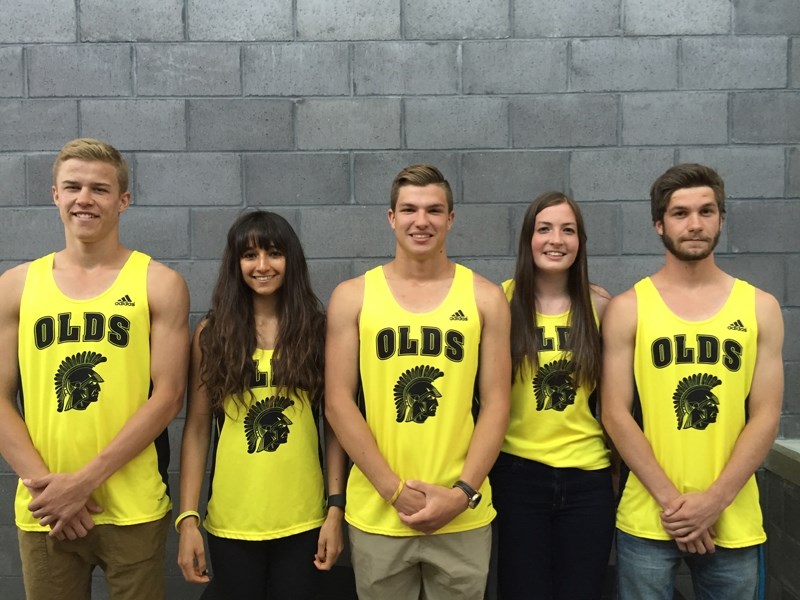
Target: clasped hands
x=428 y=507
x=689 y=519
x=63 y=502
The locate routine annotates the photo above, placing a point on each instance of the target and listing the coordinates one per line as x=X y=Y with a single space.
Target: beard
x=694 y=255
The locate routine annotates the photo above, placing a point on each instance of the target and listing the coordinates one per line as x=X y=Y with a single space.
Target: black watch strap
x=473 y=496
x=337 y=500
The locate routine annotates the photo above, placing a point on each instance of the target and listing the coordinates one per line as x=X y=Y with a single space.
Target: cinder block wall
x=309 y=107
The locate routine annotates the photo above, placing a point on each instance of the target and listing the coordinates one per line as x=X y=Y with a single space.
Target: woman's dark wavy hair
x=584 y=337
x=228 y=340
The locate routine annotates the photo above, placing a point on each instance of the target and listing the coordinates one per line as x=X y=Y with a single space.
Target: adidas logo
x=737 y=325
x=458 y=316
x=125 y=301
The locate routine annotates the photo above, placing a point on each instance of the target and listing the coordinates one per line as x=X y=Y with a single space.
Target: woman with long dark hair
x=257 y=372
x=552 y=481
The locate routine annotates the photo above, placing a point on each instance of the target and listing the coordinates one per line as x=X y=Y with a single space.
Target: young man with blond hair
x=101 y=339
x=418 y=336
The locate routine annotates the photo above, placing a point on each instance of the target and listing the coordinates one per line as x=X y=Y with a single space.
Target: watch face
x=475 y=500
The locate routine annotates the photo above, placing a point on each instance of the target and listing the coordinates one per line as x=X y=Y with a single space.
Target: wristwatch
x=337 y=500
x=473 y=496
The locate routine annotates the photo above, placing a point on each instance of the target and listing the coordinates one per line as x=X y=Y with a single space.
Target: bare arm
x=168 y=297
x=331 y=541
x=700 y=510
x=194 y=454
x=341 y=381
x=494 y=387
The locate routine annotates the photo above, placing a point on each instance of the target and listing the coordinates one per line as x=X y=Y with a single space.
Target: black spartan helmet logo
x=553 y=386
x=695 y=406
x=415 y=398
x=265 y=425
x=77 y=383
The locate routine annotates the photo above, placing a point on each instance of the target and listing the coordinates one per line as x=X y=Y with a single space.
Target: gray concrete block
x=564 y=120
x=240 y=124
x=766 y=226
x=357 y=123
x=758 y=17
x=209 y=229
x=518 y=67
x=163 y=233
x=291 y=179
x=619 y=273
x=239 y=20
x=11 y=72
x=710 y=63
x=136 y=124
x=143 y=20
x=624 y=64
x=674 y=118
x=456 y=19
x=791 y=344
x=765 y=117
x=456 y=122
x=679 y=17
x=187 y=70
x=512 y=177
x=12 y=174
x=374 y=171
x=348 y=19
x=638 y=234
x=39 y=179
x=363 y=231
x=792 y=297
x=80 y=70
x=496 y=270
x=37 y=124
x=296 y=70
x=29 y=233
x=416 y=68
x=31 y=21
x=602 y=223
x=480 y=231
x=794 y=64
x=764 y=271
x=748 y=172
x=617 y=173
x=566 y=18
x=327 y=274
x=9 y=550
x=793 y=162
x=189 y=179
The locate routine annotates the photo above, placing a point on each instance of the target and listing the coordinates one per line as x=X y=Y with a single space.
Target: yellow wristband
x=184 y=515
x=396 y=494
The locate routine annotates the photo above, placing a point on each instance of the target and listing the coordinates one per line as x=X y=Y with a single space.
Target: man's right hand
x=409 y=501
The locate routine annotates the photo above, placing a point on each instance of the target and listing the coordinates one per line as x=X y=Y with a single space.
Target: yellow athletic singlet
x=551 y=421
x=266 y=481
x=692 y=380
x=418 y=375
x=85 y=369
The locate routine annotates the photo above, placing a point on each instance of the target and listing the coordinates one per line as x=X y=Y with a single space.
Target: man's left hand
x=442 y=505
x=690 y=515
x=58 y=497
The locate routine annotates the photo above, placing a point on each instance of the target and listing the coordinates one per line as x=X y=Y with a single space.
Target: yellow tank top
x=85 y=369
x=418 y=375
x=692 y=381
x=551 y=420
x=266 y=480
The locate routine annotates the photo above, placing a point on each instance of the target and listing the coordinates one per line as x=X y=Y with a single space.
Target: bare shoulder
x=600 y=298
x=11 y=284
x=768 y=313
x=487 y=291
x=165 y=285
x=621 y=309
x=347 y=298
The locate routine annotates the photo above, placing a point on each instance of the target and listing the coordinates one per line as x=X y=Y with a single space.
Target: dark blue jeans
x=555 y=528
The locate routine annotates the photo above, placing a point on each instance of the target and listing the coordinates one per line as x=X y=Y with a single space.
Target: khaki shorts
x=431 y=567
x=132 y=557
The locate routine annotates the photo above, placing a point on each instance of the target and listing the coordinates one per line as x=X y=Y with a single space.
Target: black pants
x=555 y=528
x=270 y=569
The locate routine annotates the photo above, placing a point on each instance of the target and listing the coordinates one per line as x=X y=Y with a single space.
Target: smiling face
x=691 y=225
x=421 y=219
x=89 y=200
x=263 y=270
x=555 y=241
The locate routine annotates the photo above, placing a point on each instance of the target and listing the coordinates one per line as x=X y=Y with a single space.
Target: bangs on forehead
x=265 y=239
